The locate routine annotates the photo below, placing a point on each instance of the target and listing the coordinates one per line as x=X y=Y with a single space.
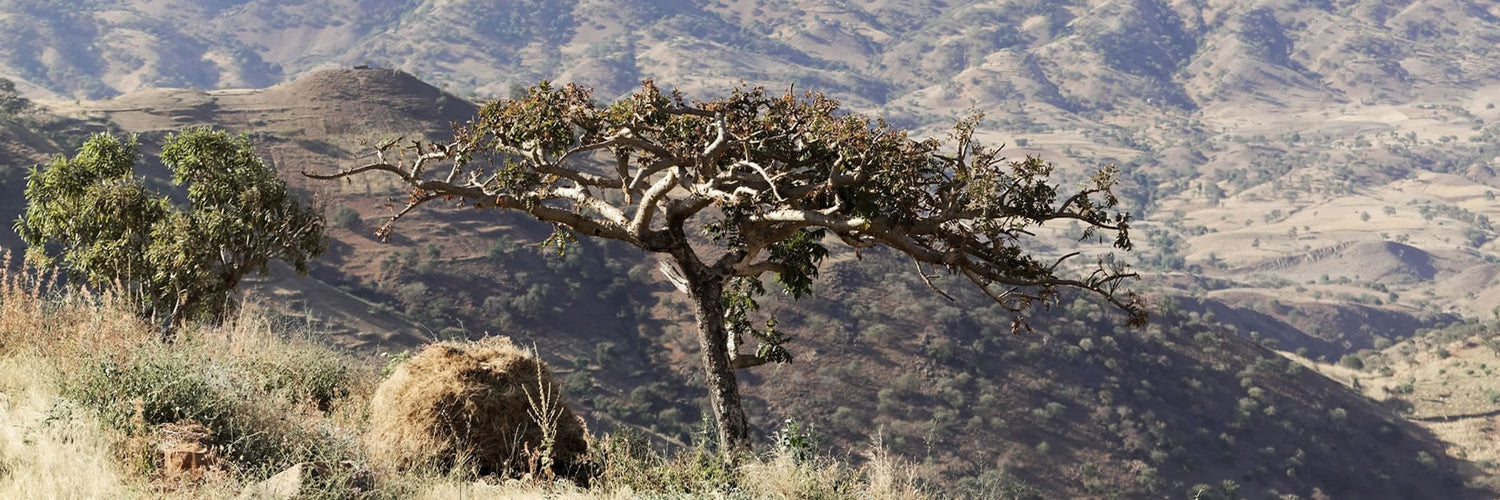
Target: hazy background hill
x=1309 y=175
x=1316 y=154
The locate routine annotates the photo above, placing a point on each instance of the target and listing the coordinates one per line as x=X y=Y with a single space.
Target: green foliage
x=783 y=171
x=394 y=362
x=96 y=211
x=95 y=217
x=1263 y=36
x=796 y=440
x=739 y=303
x=1426 y=460
x=245 y=402
x=347 y=218
x=771 y=179
x=629 y=461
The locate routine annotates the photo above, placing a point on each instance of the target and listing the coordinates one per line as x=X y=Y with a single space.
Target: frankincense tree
x=771 y=181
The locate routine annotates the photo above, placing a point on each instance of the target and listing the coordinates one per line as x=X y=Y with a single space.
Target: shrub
x=1426 y=460
x=347 y=218
x=264 y=398
x=997 y=484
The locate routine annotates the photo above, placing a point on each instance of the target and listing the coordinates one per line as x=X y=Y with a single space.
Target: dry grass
x=446 y=489
x=1446 y=380
x=461 y=400
x=103 y=382
x=84 y=386
x=50 y=448
x=887 y=478
x=37 y=318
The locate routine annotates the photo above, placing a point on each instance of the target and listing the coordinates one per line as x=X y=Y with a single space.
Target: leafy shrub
x=264 y=404
x=347 y=218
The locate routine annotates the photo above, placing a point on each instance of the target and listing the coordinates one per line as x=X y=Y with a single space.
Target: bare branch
x=655 y=168
x=770 y=181
x=384 y=231
x=714 y=150
x=588 y=202
x=384 y=167
x=813 y=218
x=1060 y=260
x=928 y=280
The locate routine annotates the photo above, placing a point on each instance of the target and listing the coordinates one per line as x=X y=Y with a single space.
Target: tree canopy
x=770 y=181
x=93 y=215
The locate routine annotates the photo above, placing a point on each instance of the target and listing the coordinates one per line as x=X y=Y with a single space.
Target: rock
x=285 y=484
x=349 y=479
x=186 y=452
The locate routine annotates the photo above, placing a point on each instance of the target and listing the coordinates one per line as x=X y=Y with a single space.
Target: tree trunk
x=723 y=388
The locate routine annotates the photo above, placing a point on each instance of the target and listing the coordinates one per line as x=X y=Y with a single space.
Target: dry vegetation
x=444 y=404
x=1445 y=381
x=85 y=389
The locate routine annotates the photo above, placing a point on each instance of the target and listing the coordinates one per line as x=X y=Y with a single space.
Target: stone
x=298 y=480
x=186 y=452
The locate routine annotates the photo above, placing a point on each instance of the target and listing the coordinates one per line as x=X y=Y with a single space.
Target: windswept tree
x=95 y=217
x=771 y=182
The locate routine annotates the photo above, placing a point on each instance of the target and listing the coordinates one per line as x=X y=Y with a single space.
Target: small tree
x=347 y=218
x=11 y=101
x=95 y=218
x=771 y=181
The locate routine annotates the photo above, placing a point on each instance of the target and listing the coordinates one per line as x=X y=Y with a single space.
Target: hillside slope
x=1249 y=132
x=1078 y=407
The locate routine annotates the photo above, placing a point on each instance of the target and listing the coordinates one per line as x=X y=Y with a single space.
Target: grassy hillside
x=91 y=394
x=1065 y=414
x=1443 y=380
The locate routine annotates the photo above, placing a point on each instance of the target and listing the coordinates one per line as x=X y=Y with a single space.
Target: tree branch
x=647 y=209
x=383 y=167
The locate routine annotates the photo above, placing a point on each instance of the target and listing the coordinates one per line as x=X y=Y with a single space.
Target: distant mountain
x=1073 y=55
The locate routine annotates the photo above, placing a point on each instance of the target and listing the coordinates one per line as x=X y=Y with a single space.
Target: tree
x=771 y=181
x=347 y=218
x=92 y=215
x=11 y=101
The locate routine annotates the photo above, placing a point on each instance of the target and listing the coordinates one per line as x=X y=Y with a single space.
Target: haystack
x=465 y=403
